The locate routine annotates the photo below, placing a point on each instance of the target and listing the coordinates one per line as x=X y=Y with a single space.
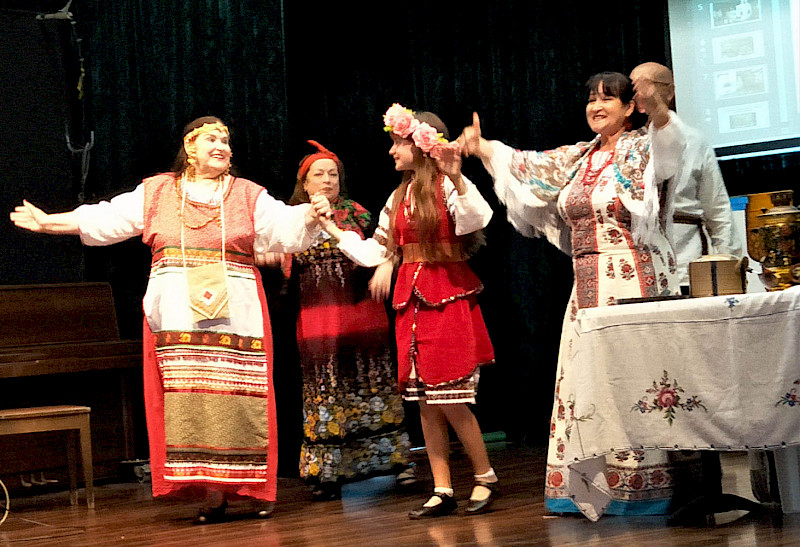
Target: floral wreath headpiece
x=401 y=121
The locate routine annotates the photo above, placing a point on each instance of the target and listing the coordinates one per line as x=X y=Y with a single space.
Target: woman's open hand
x=29 y=217
x=381 y=283
x=448 y=160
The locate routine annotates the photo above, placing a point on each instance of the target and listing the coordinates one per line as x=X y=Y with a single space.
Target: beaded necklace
x=182 y=188
x=591 y=174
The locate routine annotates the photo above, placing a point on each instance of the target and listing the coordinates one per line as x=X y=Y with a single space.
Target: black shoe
x=211 y=515
x=327 y=491
x=265 y=509
x=407 y=477
x=447 y=507
x=476 y=507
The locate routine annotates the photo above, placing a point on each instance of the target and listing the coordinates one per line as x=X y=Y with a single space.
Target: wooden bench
x=58 y=418
x=60 y=345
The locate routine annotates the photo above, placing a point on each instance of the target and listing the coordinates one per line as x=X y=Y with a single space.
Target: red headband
x=323 y=154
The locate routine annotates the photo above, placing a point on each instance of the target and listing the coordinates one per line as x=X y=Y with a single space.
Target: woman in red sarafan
x=207 y=337
x=430 y=224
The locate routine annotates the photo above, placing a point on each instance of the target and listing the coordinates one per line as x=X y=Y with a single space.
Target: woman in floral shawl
x=604 y=203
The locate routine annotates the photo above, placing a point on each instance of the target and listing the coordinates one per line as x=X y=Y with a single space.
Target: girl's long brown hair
x=424 y=195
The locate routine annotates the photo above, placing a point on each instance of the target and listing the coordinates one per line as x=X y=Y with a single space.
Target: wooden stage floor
x=373 y=512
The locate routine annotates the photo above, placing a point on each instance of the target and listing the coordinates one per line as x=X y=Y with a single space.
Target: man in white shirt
x=702 y=208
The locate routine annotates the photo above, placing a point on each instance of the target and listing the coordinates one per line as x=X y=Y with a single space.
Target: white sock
x=479 y=492
x=436 y=500
x=489 y=477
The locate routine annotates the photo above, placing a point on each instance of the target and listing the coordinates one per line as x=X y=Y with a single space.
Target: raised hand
x=448 y=159
x=650 y=101
x=472 y=141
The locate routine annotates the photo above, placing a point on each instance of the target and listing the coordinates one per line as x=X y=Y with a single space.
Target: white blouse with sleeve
x=470 y=212
x=279 y=227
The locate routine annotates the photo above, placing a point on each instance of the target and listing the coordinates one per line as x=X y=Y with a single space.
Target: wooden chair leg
x=72 y=466
x=86 y=458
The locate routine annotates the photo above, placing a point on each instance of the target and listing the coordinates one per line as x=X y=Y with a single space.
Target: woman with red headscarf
x=352 y=410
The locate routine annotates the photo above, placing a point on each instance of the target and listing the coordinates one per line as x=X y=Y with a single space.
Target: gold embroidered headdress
x=190 y=139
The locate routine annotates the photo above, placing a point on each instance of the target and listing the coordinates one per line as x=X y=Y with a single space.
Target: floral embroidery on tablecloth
x=673 y=265
x=614 y=236
x=636 y=484
x=666 y=399
x=636 y=455
x=663 y=282
x=610 y=268
x=572 y=419
x=790 y=398
x=731 y=301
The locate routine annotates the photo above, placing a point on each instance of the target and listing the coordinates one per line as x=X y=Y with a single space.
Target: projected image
x=733 y=12
x=744 y=117
x=737 y=47
x=736 y=65
x=740 y=82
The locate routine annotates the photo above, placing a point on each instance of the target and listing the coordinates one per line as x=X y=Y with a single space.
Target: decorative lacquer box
x=712 y=275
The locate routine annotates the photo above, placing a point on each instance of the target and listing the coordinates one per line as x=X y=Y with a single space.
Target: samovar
x=773 y=238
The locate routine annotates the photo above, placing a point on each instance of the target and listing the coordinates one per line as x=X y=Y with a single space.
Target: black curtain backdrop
x=280 y=73
x=34 y=160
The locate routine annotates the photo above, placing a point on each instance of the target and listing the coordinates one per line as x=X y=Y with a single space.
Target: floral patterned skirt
x=352 y=415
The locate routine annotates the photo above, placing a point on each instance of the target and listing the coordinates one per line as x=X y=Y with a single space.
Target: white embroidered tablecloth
x=719 y=373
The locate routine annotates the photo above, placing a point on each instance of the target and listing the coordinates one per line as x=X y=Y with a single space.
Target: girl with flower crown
x=430 y=224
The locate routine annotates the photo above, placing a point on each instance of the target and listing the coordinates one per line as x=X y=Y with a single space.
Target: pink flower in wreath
x=666 y=397
x=400 y=120
x=425 y=137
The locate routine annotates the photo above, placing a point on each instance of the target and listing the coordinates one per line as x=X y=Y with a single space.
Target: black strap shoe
x=265 y=509
x=211 y=515
x=476 y=507
x=327 y=491
x=447 y=507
